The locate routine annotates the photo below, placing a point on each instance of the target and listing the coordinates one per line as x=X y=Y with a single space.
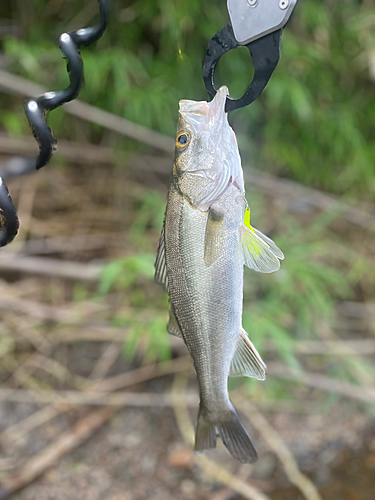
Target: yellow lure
x=247 y=219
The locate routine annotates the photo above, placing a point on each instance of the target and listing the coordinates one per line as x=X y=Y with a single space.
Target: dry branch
x=49 y=412
x=318 y=199
x=22 y=373
x=37 y=309
x=51 y=267
x=109 y=356
x=268 y=183
x=82 y=430
x=362 y=393
x=87 y=425
x=14 y=84
x=274 y=441
x=59 y=371
x=73 y=243
x=93 y=398
x=211 y=468
x=62 y=401
x=99 y=388
x=225 y=477
x=142 y=374
x=75 y=152
x=36 y=419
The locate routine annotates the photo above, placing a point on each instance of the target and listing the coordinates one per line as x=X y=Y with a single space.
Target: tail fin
x=231 y=431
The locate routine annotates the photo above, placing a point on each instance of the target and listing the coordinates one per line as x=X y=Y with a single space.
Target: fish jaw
x=206 y=166
x=205 y=115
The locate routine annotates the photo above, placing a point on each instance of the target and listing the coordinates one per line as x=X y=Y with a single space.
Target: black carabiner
x=265 y=53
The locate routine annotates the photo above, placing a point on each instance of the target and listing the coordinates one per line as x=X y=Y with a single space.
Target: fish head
x=207 y=160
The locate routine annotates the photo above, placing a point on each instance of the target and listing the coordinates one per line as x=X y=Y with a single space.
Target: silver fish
x=205 y=242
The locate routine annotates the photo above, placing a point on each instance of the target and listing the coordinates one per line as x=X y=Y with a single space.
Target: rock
x=181 y=458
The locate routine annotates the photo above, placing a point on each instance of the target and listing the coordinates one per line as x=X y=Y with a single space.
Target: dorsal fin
x=161 y=275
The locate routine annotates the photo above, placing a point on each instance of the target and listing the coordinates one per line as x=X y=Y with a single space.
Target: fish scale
x=210 y=326
x=203 y=248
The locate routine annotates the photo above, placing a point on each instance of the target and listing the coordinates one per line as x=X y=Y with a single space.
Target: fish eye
x=183 y=139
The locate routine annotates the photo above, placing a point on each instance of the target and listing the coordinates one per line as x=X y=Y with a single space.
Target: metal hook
x=265 y=53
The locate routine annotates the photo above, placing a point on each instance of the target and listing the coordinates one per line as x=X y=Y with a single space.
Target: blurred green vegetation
x=314 y=123
x=296 y=303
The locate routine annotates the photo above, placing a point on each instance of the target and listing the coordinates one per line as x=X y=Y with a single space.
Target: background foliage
x=314 y=123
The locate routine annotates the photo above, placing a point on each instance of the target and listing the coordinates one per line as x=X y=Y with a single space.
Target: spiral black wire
x=8 y=216
x=37 y=109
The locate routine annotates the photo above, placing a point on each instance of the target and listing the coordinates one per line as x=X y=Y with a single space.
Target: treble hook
x=37 y=109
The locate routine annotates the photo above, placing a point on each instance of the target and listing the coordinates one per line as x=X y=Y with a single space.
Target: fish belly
x=207 y=301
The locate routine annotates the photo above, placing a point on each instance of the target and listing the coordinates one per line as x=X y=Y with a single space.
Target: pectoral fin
x=246 y=361
x=161 y=275
x=260 y=252
x=214 y=238
x=173 y=326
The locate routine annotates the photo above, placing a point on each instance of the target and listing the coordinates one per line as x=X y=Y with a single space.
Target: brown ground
x=139 y=453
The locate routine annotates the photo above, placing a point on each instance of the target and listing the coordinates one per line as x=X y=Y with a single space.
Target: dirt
x=140 y=454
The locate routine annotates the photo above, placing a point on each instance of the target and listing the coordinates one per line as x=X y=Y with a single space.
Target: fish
x=205 y=242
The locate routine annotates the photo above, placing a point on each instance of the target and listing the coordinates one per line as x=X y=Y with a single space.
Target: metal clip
x=257 y=25
x=265 y=53
x=252 y=19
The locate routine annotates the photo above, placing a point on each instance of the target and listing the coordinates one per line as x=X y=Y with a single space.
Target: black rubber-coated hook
x=265 y=53
x=37 y=109
x=9 y=223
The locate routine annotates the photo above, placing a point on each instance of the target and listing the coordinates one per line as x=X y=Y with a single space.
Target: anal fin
x=161 y=275
x=246 y=361
x=173 y=326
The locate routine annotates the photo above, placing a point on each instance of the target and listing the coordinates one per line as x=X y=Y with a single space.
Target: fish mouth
x=205 y=115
